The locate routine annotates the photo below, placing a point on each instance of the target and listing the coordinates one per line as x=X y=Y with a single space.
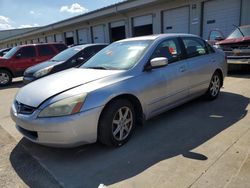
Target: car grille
x=236 y=50
x=24 y=109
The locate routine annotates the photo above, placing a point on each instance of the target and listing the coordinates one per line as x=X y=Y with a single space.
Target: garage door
x=35 y=41
x=176 y=20
x=42 y=40
x=59 y=38
x=98 y=34
x=50 y=38
x=117 y=30
x=69 y=38
x=220 y=14
x=82 y=36
x=143 y=25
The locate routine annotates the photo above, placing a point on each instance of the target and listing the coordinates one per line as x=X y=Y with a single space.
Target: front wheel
x=5 y=78
x=116 y=123
x=214 y=86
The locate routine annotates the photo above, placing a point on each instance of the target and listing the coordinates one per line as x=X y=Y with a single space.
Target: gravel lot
x=199 y=144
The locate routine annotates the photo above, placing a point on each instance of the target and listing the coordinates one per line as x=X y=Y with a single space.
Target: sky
x=30 y=13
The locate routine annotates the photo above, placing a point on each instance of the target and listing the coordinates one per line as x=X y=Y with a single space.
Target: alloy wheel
x=4 y=78
x=215 y=85
x=122 y=123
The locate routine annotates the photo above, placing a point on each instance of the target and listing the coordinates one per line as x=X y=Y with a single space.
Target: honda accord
x=129 y=81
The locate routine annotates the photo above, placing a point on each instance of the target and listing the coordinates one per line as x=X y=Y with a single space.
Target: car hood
x=38 y=91
x=40 y=66
x=234 y=41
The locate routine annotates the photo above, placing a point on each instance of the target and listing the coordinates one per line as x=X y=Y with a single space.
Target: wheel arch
x=133 y=100
x=6 y=69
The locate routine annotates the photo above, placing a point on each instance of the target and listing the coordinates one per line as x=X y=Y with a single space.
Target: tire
x=114 y=129
x=214 y=86
x=5 y=78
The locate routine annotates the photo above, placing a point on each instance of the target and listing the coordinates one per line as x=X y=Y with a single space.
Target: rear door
x=199 y=58
x=45 y=52
x=24 y=58
x=170 y=83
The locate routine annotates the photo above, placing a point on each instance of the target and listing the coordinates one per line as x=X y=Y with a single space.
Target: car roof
x=154 y=37
x=40 y=44
x=88 y=45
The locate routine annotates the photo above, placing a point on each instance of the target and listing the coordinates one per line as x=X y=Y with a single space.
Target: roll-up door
x=98 y=34
x=50 y=38
x=176 y=20
x=69 y=38
x=59 y=38
x=143 y=25
x=82 y=36
x=222 y=15
x=117 y=31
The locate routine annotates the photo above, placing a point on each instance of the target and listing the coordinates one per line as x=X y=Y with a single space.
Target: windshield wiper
x=239 y=30
x=99 y=67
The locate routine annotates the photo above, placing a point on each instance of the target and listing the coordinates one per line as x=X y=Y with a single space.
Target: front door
x=24 y=58
x=169 y=84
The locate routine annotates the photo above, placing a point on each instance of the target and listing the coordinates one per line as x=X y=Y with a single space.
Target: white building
x=141 y=17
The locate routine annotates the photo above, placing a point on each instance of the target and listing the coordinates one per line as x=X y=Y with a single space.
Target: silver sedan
x=127 y=82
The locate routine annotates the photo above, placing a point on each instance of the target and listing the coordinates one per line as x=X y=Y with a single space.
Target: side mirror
x=219 y=38
x=18 y=55
x=157 y=63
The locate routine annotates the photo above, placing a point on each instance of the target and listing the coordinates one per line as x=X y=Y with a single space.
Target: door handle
x=213 y=60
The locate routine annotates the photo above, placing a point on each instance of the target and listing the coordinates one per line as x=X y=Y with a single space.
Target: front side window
x=119 y=55
x=27 y=52
x=194 y=47
x=169 y=49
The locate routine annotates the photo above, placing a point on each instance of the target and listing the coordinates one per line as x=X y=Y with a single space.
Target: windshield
x=119 y=55
x=237 y=34
x=10 y=53
x=67 y=54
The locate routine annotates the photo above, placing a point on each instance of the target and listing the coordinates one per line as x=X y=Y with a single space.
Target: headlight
x=42 y=72
x=68 y=106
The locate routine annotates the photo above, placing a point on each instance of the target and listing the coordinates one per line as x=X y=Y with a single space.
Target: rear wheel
x=116 y=123
x=214 y=87
x=5 y=78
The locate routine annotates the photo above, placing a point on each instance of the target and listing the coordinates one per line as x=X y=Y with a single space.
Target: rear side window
x=194 y=47
x=60 y=47
x=170 y=49
x=45 y=50
x=27 y=52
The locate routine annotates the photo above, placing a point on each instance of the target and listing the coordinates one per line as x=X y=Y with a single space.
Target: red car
x=236 y=45
x=14 y=62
